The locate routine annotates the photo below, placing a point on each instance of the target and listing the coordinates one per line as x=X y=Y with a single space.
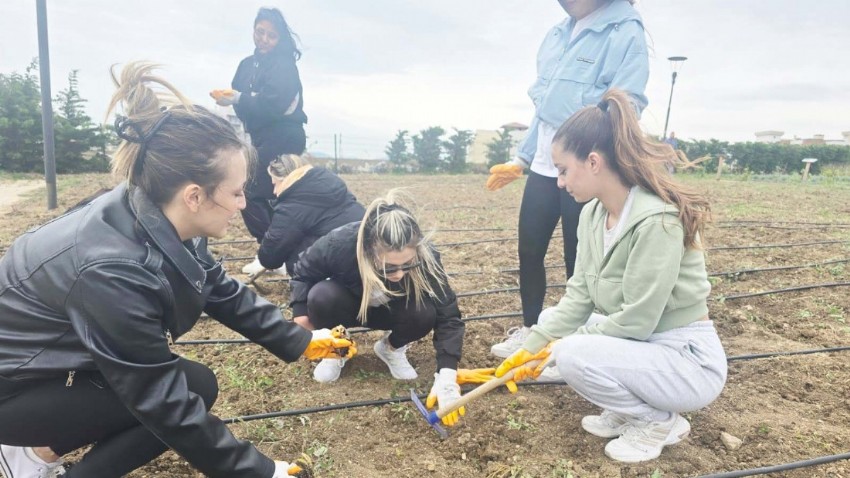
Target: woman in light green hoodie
x=633 y=333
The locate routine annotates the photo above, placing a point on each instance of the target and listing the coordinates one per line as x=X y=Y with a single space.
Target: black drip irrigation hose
x=802 y=223
x=779 y=291
x=778 y=268
x=768 y=246
x=779 y=468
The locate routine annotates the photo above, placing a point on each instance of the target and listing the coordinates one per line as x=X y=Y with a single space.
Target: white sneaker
x=256 y=267
x=328 y=370
x=642 y=441
x=396 y=359
x=22 y=462
x=253 y=267
x=607 y=425
x=280 y=271
x=516 y=336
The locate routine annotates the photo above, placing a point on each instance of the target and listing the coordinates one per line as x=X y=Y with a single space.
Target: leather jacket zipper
x=168 y=337
x=70 y=380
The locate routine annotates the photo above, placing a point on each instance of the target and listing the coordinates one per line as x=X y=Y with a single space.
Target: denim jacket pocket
x=571 y=86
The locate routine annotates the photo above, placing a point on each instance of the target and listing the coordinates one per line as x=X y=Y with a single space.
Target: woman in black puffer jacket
x=311 y=202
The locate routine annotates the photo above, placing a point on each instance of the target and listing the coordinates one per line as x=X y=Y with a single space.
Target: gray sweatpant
x=680 y=370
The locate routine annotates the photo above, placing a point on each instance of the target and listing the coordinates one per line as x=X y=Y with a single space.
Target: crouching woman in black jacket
x=91 y=301
x=311 y=202
x=384 y=273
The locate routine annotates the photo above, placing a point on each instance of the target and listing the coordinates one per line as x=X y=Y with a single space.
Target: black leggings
x=330 y=304
x=270 y=143
x=543 y=203
x=48 y=413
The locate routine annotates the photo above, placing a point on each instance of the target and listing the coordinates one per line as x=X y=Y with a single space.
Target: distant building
x=769 y=136
x=776 y=137
x=477 y=153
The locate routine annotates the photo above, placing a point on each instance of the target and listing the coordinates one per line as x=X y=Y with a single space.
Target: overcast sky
x=372 y=67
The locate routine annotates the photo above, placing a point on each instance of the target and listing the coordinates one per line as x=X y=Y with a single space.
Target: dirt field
x=784 y=409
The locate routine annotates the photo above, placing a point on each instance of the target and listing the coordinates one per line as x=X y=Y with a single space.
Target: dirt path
x=11 y=192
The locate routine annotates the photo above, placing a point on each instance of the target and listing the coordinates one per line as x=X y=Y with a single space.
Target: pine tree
x=21 y=147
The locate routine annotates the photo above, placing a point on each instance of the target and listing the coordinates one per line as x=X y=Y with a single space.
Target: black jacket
x=334 y=256
x=105 y=288
x=311 y=207
x=268 y=84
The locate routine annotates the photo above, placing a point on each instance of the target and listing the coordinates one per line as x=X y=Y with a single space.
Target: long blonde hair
x=166 y=140
x=611 y=129
x=390 y=224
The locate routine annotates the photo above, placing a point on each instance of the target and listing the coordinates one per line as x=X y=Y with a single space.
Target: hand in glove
x=330 y=344
x=502 y=174
x=480 y=375
x=225 y=97
x=445 y=391
x=518 y=359
x=283 y=469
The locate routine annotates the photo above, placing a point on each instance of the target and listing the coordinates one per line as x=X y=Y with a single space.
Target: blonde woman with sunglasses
x=384 y=273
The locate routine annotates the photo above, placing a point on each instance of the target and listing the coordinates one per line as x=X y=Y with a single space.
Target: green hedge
x=766 y=157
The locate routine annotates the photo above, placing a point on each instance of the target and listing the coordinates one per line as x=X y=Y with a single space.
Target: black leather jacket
x=334 y=256
x=105 y=288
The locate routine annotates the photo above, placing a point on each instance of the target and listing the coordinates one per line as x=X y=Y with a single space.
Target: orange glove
x=517 y=362
x=502 y=174
x=225 y=97
x=480 y=375
x=330 y=344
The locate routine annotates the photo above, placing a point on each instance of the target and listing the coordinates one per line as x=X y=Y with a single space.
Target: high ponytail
x=611 y=129
x=166 y=140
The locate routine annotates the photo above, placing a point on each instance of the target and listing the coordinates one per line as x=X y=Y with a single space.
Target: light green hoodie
x=648 y=282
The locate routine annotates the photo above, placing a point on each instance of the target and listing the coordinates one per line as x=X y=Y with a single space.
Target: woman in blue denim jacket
x=600 y=45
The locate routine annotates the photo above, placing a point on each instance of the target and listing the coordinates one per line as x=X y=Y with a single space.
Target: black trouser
x=543 y=203
x=270 y=143
x=330 y=304
x=47 y=413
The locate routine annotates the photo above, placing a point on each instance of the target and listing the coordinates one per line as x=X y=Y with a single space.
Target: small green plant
x=763 y=429
x=563 y=469
x=323 y=462
x=401 y=410
x=805 y=314
x=657 y=473
x=517 y=423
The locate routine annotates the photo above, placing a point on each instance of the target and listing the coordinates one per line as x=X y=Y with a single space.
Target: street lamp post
x=676 y=63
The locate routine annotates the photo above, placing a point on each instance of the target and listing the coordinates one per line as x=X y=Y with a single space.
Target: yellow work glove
x=517 y=362
x=502 y=174
x=446 y=391
x=225 y=97
x=481 y=375
x=330 y=344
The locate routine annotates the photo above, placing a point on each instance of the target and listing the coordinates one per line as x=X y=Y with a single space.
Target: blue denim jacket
x=610 y=53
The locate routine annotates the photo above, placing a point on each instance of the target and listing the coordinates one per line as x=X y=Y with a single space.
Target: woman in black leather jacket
x=268 y=98
x=91 y=301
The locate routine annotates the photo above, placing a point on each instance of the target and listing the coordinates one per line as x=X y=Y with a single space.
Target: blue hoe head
x=430 y=417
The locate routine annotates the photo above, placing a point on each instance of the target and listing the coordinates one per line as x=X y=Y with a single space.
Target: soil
x=783 y=409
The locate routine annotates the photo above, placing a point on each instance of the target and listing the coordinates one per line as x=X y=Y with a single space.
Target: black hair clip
x=123 y=123
x=603 y=105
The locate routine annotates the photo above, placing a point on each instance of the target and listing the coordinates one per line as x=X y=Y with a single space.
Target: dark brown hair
x=611 y=129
